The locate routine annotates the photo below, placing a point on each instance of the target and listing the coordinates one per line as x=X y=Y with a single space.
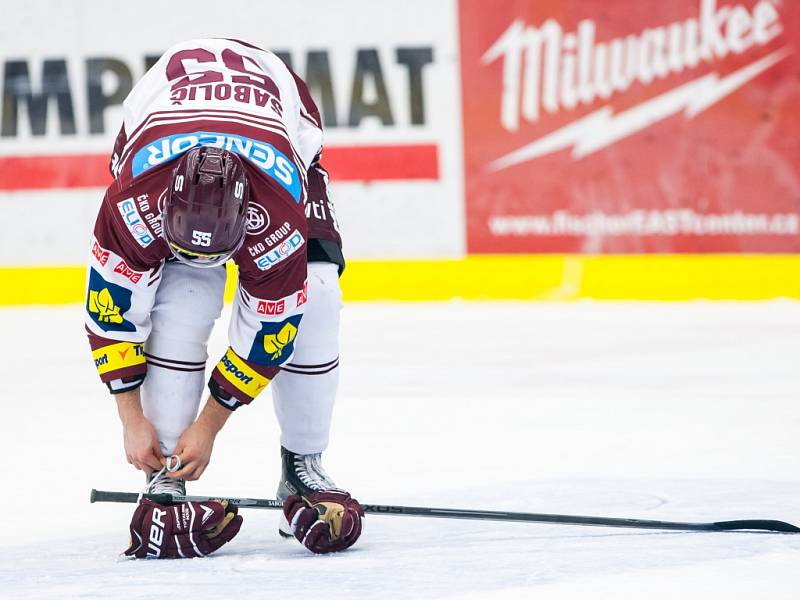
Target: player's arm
x=120 y=293
x=325 y=244
x=309 y=123
x=139 y=435
x=196 y=443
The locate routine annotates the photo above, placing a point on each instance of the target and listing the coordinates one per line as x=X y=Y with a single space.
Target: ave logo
x=302 y=295
x=99 y=253
x=268 y=307
x=123 y=269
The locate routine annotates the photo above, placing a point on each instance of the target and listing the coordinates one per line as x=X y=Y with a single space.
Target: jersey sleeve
x=266 y=318
x=310 y=124
x=121 y=287
x=114 y=164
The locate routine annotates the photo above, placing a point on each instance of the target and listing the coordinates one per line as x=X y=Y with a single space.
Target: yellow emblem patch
x=103 y=304
x=275 y=343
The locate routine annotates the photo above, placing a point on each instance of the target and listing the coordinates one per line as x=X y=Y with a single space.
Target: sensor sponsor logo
x=281 y=252
x=134 y=222
x=264 y=156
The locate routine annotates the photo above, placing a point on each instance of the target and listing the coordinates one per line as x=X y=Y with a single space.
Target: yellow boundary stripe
x=526 y=277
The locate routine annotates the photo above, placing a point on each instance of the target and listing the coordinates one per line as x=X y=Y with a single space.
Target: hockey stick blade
x=486 y=515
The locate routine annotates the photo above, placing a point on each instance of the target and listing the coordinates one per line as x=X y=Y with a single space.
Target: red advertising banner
x=620 y=126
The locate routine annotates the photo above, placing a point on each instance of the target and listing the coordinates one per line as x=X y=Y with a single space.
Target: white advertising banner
x=385 y=76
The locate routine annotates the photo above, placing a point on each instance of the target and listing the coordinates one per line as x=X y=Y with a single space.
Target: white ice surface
x=656 y=411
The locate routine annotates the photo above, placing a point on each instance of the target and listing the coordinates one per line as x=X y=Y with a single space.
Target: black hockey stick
x=488 y=515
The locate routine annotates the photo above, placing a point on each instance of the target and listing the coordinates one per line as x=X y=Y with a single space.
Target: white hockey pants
x=187 y=304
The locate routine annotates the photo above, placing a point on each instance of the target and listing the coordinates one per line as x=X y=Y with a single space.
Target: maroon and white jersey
x=231 y=95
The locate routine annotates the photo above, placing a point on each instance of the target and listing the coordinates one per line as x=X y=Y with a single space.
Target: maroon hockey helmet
x=205 y=213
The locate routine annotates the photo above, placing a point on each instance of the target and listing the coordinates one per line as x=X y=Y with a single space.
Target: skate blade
x=284 y=529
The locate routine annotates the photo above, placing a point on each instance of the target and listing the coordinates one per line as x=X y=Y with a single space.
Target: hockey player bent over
x=218 y=158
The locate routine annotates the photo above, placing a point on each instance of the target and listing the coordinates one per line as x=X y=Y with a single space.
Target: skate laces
x=308 y=468
x=159 y=483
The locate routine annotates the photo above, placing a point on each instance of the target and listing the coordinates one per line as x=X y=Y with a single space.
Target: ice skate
x=301 y=474
x=159 y=483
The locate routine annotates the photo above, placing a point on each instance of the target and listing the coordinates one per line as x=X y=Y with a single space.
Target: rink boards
x=474 y=153
x=669 y=278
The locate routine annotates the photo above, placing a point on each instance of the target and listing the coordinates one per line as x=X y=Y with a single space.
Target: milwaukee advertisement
x=612 y=126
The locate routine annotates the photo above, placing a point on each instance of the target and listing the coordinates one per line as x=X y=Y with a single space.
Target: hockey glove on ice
x=324 y=521
x=186 y=530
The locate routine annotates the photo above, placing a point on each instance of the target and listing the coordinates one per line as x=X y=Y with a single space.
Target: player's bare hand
x=194 y=451
x=141 y=444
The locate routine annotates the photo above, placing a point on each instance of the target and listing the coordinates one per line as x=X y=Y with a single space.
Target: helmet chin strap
x=199 y=262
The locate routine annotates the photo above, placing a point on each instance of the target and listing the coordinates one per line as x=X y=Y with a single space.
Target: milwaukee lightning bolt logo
x=548 y=71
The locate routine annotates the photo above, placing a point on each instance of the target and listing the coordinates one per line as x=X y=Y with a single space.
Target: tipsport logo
x=265 y=156
x=234 y=371
x=275 y=342
x=241 y=375
x=107 y=304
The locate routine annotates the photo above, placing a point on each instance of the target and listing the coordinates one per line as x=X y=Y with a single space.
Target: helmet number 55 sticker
x=201 y=238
